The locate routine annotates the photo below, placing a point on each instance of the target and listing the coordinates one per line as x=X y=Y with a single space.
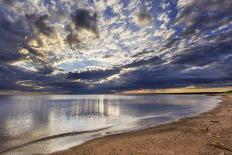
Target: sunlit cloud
x=114 y=45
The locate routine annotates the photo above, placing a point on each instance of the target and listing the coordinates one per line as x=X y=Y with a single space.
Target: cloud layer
x=79 y=46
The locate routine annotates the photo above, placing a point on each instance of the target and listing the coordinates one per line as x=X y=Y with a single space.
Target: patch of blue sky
x=81 y=65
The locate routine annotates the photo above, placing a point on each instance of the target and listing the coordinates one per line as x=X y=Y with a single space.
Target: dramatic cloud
x=83 y=19
x=80 y=46
x=143 y=18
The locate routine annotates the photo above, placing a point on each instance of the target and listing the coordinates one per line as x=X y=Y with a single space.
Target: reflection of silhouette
x=97 y=107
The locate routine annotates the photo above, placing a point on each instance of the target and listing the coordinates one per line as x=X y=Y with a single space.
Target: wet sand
x=207 y=134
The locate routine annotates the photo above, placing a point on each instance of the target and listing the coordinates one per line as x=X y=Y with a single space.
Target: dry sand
x=207 y=134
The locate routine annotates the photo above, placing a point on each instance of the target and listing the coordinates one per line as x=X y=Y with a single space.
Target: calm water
x=44 y=124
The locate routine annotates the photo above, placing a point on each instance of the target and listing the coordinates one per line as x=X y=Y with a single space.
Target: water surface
x=44 y=124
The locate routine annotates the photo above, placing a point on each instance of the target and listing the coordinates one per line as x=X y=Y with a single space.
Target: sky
x=110 y=46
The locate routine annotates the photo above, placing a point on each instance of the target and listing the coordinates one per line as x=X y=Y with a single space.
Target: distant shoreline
x=183 y=93
x=208 y=133
x=185 y=90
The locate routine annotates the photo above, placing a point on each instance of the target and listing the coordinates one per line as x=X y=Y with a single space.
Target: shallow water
x=44 y=124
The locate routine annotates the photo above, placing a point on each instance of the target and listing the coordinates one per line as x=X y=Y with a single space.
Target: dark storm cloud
x=12 y=36
x=84 y=19
x=167 y=77
x=74 y=87
x=204 y=54
x=151 y=61
x=40 y=24
x=72 y=39
x=9 y=76
x=9 y=2
x=205 y=16
x=15 y=78
x=15 y=34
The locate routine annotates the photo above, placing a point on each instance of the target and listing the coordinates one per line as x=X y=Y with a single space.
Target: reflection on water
x=58 y=122
x=94 y=107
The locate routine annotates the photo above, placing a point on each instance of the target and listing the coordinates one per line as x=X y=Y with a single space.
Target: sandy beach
x=207 y=134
